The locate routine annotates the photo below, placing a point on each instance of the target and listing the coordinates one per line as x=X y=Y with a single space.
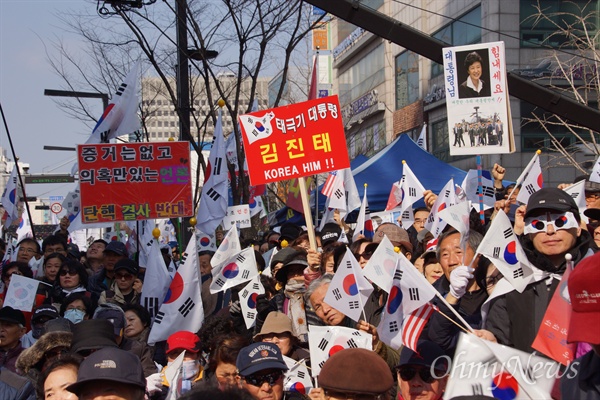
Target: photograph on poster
x=477 y=99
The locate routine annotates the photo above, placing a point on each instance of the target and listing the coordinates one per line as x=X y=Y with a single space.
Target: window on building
x=159 y=124
x=172 y=123
x=363 y=76
x=368 y=141
x=465 y=30
x=407 y=79
x=159 y=102
x=439 y=140
x=562 y=14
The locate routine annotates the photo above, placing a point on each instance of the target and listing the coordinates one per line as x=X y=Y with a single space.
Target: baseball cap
x=128 y=265
x=109 y=364
x=73 y=250
x=116 y=247
x=92 y=334
x=113 y=314
x=283 y=255
x=356 y=371
x=9 y=314
x=584 y=293
x=289 y=232
x=44 y=310
x=428 y=354
x=185 y=340
x=276 y=322
x=590 y=187
x=398 y=236
x=551 y=199
x=259 y=356
x=330 y=233
x=298 y=259
x=592 y=213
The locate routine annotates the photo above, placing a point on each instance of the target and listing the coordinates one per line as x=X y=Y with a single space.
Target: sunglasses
x=64 y=272
x=558 y=221
x=408 y=373
x=258 y=380
x=123 y=276
x=366 y=255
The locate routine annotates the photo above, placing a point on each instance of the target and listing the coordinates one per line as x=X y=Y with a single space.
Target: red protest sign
x=293 y=141
x=133 y=181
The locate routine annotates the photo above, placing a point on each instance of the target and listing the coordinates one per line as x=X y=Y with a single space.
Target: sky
x=27 y=29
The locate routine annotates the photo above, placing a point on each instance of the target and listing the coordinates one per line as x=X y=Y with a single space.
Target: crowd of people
x=87 y=334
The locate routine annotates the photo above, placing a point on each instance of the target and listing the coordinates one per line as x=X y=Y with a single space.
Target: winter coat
x=31 y=359
x=15 y=387
x=582 y=379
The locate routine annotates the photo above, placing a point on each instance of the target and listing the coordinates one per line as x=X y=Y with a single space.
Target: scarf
x=294 y=291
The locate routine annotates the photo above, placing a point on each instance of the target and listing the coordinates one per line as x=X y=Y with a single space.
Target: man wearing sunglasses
x=422 y=375
x=261 y=368
x=550 y=227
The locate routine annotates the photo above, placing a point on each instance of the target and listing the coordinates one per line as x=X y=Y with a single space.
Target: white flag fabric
x=120 y=117
x=422 y=140
x=296 y=378
x=10 y=198
x=501 y=246
x=457 y=216
x=257 y=207
x=470 y=185
x=156 y=280
x=257 y=128
x=390 y=325
x=237 y=269
x=381 y=267
x=407 y=191
x=325 y=341
x=349 y=289
x=595 y=175
x=213 y=202
x=205 y=242
x=21 y=293
x=446 y=198
x=364 y=225
x=516 y=375
x=531 y=179
x=248 y=297
x=351 y=192
x=416 y=290
x=182 y=307
x=230 y=246
x=167 y=231
x=24 y=228
x=173 y=375
x=577 y=192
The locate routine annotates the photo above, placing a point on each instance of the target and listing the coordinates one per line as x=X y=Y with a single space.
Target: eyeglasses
x=65 y=272
x=408 y=373
x=558 y=221
x=258 y=380
x=26 y=250
x=493 y=279
x=123 y=276
x=366 y=255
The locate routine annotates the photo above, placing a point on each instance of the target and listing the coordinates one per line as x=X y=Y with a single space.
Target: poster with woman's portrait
x=477 y=99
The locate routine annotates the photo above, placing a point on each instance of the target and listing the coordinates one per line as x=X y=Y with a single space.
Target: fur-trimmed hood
x=33 y=355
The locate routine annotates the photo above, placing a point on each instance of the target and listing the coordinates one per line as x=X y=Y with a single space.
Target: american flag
x=330 y=184
x=414 y=324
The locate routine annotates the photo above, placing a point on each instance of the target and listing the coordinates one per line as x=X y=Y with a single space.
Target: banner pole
x=307 y=215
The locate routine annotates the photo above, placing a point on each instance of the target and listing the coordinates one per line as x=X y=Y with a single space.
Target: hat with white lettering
x=259 y=356
x=584 y=293
x=109 y=364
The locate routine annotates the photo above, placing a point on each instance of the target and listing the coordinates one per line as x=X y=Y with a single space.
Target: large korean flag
x=182 y=308
x=237 y=269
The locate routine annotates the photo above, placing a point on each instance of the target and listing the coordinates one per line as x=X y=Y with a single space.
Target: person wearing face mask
x=41 y=315
x=156 y=384
x=77 y=307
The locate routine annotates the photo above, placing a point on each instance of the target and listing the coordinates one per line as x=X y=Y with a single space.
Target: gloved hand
x=154 y=383
x=263 y=308
x=235 y=308
x=459 y=280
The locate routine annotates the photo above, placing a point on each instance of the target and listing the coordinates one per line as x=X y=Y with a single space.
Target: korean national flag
x=248 y=297
x=237 y=269
x=228 y=247
x=446 y=198
x=349 y=289
x=471 y=187
x=501 y=246
x=381 y=267
x=297 y=379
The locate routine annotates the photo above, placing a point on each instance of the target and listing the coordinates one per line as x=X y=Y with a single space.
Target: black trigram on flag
x=321 y=364
x=406 y=214
x=446 y=193
x=300 y=374
x=575 y=195
x=159 y=317
x=323 y=344
x=240 y=258
x=245 y=293
x=398 y=275
x=507 y=233
x=349 y=264
x=250 y=315
x=353 y=305
x=150 y=243
x=255 y=286
x=151 y=304
x=530 y=189
x=183 y=258
x=477 y=389
x=186 y=307
x=336 y=293
x=217 y=167
x=518 y=273
x=338 y=194
x=355 y=333
x=219 y=282
x=351 y=343
x=394 y=326
x=496 y=252
x=121 y=89
x=412 y=192
x=413 y=293
x=245 y=274
x=486 y=191
x=212 y=193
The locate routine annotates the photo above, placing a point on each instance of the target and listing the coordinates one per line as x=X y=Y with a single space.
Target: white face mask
x=74 y=315
x=190 y=369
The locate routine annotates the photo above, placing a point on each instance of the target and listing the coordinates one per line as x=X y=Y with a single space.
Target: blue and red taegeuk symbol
x=349 y=285
x=252 y=300
x=104 y=115
x=505 y=386
x=175 y=289
x=369 y=232
x=540 y=180
x=231 y=270
x=251 y=203
x=510 y=253
x=394 y=300
x=298 y=387
x=204 y=241
x=259 y=126
x=12 y=196
x=335 y=348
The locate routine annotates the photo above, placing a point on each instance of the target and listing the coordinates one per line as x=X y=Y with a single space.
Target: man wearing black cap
x=110 y=373
x=261 y=368
x=423 y=374
x=12 y=328
x=104 y=279
x=126 y=288
x=551 y=228
x=41 y=315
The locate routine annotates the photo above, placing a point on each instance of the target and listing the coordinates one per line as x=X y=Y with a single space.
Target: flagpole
x=307 y=214
x=480 y=190
x=460 y=318
x=12 y=150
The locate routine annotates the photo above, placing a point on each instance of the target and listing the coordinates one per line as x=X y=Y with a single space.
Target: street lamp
x=70 y=93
